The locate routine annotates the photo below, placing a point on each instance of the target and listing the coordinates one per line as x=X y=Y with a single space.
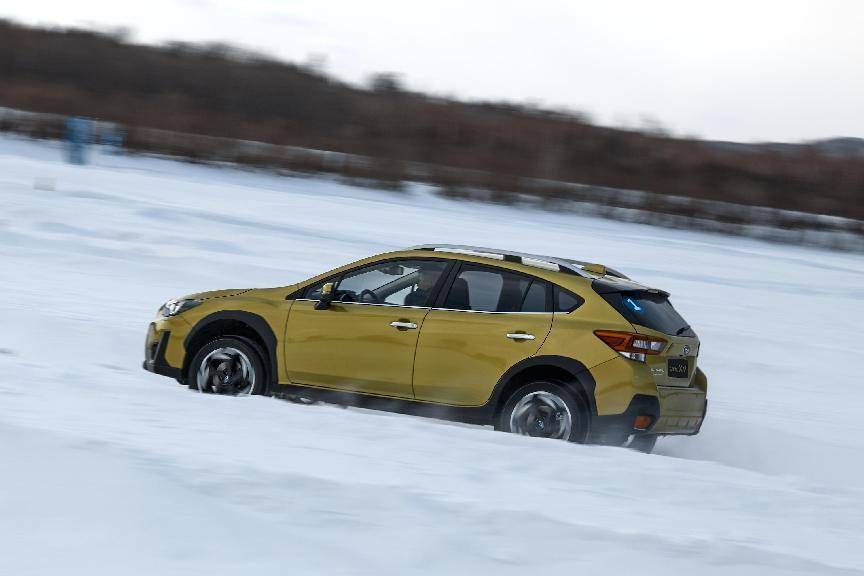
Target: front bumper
x=154 y=353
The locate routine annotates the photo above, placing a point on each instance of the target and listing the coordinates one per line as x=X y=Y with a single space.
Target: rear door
x=490 y=319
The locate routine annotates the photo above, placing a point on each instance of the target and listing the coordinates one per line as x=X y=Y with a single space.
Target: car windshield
x=651 y=310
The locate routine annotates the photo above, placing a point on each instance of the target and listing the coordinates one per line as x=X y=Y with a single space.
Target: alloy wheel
x=541 y=414
x=227 y=371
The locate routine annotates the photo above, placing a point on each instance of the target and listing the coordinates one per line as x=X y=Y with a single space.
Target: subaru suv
x=534 y=345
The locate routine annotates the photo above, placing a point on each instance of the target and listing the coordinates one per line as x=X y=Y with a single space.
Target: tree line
x=219 y=90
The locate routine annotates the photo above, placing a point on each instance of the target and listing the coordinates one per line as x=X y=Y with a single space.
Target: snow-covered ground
x=106 y=469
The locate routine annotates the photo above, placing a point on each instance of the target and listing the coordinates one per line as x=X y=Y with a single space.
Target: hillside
x=223 y=91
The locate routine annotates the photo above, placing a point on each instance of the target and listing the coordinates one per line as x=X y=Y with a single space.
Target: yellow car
x=535 y=345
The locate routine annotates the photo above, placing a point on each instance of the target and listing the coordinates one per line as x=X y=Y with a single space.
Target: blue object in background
x=77 y=139
x=111 y=136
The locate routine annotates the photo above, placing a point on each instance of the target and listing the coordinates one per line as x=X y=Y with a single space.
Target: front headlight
x=174 y=307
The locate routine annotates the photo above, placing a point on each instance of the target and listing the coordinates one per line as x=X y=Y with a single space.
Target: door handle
x=404 y=325
x=520 y=336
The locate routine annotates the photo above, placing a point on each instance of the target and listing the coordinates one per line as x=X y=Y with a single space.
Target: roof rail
x=583 y=269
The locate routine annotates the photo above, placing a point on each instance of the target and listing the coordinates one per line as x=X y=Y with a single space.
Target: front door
x=491 y=319
x=365 y=341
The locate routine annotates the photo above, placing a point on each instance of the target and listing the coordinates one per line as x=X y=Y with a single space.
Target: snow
x=107 y=469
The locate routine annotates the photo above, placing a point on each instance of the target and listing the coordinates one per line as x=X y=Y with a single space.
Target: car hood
x=216 y=294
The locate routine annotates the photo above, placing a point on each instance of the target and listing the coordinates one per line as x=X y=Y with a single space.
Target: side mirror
x=326 y=297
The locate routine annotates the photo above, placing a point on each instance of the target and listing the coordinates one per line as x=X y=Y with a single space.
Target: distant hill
x=837 y=147
x=219 y=90
x=841 y=146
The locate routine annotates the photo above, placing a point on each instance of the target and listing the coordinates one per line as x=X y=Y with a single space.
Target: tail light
x=642 y=422
x=631 y=345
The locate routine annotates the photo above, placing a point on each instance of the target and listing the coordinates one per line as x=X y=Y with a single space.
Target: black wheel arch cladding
x=210 y=324
x=579 y=377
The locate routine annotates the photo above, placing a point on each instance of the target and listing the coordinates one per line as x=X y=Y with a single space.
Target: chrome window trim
x=488 y=311
x=383 y=304
x=420 y=307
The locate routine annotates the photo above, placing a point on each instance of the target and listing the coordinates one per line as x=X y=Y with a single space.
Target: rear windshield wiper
x=682 y=329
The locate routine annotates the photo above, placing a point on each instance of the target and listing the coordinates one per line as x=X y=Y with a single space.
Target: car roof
x=564 y=271
x=564 y=265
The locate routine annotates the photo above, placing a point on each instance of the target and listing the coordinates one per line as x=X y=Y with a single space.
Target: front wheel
x=230 y=366
x=547 y=410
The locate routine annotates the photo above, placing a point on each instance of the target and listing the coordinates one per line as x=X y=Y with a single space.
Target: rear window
x=650 y=310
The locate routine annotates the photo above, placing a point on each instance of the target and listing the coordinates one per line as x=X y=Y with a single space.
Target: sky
x=752 y=70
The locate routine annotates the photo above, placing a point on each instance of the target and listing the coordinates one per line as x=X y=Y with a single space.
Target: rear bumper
x=614 y=429
x=682 y=410
x=626 y=390
x=678 y=411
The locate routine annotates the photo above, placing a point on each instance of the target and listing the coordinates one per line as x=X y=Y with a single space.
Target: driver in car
x=425 y=282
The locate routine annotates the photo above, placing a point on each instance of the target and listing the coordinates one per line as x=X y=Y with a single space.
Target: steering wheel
x=375 y=299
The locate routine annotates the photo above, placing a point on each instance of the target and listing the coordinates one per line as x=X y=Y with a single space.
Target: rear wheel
x=545 y=409
x=230 y=366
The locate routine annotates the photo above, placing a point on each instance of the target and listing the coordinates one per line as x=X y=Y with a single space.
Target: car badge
x=686 y=349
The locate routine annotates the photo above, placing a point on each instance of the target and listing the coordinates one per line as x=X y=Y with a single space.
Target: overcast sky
x=740 y=70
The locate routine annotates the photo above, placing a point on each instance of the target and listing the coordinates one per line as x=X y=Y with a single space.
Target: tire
x=643 y=443
x=229 y=365
x=546 y=409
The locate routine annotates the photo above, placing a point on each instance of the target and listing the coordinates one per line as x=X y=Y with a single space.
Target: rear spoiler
x=607 y=285
x=599 y=269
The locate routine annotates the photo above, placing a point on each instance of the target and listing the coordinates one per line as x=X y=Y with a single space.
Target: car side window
x=396 y=282
x=566 y=301
x=535 y=298
x=486 y=289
